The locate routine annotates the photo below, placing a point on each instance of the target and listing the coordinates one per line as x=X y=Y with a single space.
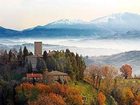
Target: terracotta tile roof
x=34 y=75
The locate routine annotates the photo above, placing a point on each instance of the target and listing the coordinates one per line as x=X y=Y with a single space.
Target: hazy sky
x=21 y=14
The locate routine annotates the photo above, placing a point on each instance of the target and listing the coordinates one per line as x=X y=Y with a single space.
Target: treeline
x=65 y=61
x=12 y=64
x=12 y=56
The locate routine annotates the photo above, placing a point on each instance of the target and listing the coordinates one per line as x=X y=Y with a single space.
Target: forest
x=88 y=85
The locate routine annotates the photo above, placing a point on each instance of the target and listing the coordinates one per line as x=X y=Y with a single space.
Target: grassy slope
x=90 y=93
x=86 y=90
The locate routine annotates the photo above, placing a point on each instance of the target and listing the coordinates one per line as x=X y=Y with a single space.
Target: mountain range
x=121 y=25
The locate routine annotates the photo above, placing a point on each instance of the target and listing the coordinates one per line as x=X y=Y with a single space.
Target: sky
x=22 y=14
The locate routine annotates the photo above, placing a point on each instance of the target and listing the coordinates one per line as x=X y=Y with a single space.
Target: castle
x=37 y=55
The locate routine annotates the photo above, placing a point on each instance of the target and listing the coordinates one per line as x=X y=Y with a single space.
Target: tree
x=30 y=53
x=52 y=94
x=102 y=77
x=94 y=72
x=6 y=72
x=126 y=71
x=41 y=65
x=10 y=55
x=109 y=71
x=30 y=68
x=67 y=51
x=81 y=66
x=25 y=52
x=20 y=56
x=66 y=62
x=108 y=74
x=51 y=63
x=5 y=57
x=101 y=98
x=136 y=103
x=45 y=55
x=20 y=52
x=51 y=99
x=68 y=68
x=127 y=95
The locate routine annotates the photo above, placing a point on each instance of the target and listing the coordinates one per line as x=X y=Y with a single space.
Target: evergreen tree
x=5 y=57
x=30 y=67
x=68 y=68
x=51 y=63
x=20 y=53
x=66 y=62
x=30 y=53
x=20 y=56
x=25 y=52
x=10 y=55
x=81 y=66
x=45 y=55
x=67 y=51
x=40 y=66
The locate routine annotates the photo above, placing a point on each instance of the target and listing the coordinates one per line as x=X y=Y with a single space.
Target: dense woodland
x=92 y=85
x=14 y=66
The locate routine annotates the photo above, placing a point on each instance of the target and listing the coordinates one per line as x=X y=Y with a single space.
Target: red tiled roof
x=33 y=75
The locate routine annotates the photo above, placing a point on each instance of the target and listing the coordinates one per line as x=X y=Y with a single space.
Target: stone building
x=56 y=76
x=33 y=59
x=38 y=49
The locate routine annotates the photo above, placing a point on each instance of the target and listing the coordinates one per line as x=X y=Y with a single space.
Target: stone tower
x=38 y=49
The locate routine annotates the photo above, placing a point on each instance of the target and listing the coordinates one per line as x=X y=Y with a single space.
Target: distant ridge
x=131 y=57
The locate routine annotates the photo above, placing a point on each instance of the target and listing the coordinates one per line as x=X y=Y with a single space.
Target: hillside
x=132 y=58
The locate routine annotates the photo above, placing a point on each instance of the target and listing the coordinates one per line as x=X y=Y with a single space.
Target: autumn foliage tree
x=53 y=94
x=136 y=103
x=94 y=75
x=128 y=95
x=109 y=73
x=126 y=71
x=102 y=76
x=50 y=99
x=101 y=98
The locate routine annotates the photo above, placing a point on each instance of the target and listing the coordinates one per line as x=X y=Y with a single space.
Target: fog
x=90 y=47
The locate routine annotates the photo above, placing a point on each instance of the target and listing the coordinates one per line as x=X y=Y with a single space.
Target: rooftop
x=34 y=75
x=57 y=73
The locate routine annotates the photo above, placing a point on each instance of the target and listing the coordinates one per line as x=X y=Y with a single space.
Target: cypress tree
x=10 y=55
x=30 y=53
x=20 y=56
x=40 y=66
x=25 y=52
x=45 y=55
x=5 y=57
x=30 y=67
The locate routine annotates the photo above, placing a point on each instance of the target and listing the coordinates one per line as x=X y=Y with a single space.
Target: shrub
x=50 y=99
x=101 y=98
